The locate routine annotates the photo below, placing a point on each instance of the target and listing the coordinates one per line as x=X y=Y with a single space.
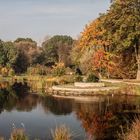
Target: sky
x=37 y=19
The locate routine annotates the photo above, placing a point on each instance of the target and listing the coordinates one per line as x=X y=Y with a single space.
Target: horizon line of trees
x=109 y=46
x=24 y=53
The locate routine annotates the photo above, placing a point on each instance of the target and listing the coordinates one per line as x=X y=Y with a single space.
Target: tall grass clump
x=18 y=134
x=1 y=138
x=132 y=133
x=61 y=133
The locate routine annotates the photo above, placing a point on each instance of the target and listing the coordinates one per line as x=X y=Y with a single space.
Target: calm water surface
x=99 y=118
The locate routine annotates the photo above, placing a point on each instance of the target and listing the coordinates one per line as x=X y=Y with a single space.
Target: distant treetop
x=24 y=39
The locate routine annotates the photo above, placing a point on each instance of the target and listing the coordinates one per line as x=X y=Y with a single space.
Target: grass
x=18 y=134
x=61 y=133
x=124 y=88
x=38 y=83
x=1 y=138
x=132 y=133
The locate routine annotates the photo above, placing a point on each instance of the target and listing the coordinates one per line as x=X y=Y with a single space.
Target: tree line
x=109 y=46
x=24 y=53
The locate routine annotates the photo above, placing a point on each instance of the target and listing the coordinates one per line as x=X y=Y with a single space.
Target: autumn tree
x=102 y=62
x=117 y=32
x=91 y=40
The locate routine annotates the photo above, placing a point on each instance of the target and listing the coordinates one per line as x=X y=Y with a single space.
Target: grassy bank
x=37 y=82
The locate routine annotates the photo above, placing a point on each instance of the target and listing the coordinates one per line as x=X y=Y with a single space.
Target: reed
x=18 y=134
x=132 y=133
x=61 y=133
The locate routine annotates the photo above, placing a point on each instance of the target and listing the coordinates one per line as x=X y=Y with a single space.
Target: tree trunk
x=137 y=53
x=138 y=71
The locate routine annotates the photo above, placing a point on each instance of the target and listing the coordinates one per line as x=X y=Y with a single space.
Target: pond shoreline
x=111 y=87
x=78 y=91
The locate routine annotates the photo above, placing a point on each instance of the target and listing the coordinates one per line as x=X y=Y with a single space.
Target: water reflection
x=58 y=106
x=20 y=87
x=17 y=96
x=100 y=118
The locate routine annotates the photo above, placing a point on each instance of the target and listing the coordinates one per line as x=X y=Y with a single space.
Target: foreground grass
x=60 y=133
x=18 y=134
x=63 y=133
x=133 y=133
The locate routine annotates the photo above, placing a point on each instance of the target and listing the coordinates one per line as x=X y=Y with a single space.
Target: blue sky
x=40 y=18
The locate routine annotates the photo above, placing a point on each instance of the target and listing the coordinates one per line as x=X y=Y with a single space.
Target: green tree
x=8 y=54
x=57 y=49
x=29 y=47
x=28 y=52
x=122 y=23
x=2 y=56
x=22 y=62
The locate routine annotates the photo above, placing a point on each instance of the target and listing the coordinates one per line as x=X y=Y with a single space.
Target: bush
x=0 y=68
x=38 y=70
x=51 y=82
x=4 y=71
x=69 y=71
x=58 y=69
x=92 y=78
x=66 y=79
x=11 y=72
x=78 y=78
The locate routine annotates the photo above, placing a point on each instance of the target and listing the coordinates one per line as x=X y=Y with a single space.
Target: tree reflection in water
x=16 y=96
x=20 y=88
x=95 y=123
x=58 y=106
x=101 y=118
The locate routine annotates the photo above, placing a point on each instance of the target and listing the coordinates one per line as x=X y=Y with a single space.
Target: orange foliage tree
x=92 y=36
x=93 y=41
x=103 y=62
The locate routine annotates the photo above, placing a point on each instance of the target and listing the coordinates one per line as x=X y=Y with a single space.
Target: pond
x=97 y=118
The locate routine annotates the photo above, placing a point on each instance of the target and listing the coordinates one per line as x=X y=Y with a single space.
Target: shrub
x=69 y=71
x=58 y=69
x=38 y=70
x=11 y=72
x=4 y=71
x=92 y=78
x=0 y=68
x=78 y=78
x=61 y=133
x=66 y=79
x=51 y=82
